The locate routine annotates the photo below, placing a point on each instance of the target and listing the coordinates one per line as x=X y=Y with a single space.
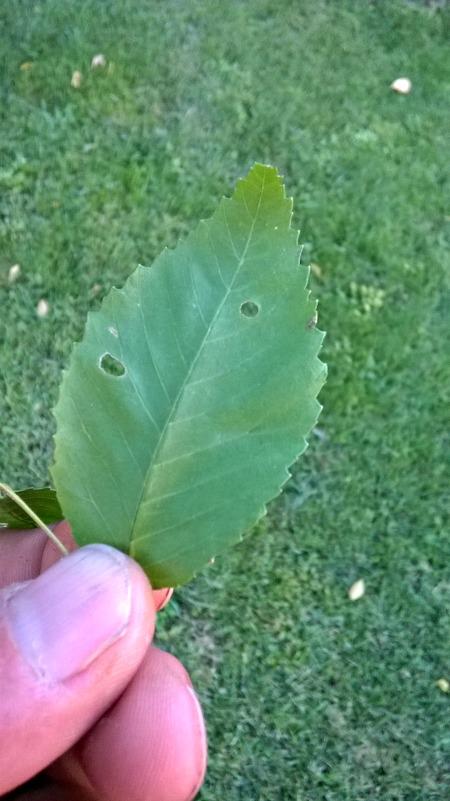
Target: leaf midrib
x=179 y=395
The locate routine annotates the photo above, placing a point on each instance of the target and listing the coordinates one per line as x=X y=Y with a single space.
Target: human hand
x=87 y=704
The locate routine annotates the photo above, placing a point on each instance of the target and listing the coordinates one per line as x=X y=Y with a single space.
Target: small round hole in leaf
x=249 y=309
x=112 y=366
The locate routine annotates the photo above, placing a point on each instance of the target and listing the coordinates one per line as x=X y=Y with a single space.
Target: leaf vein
x=144 y=323
x=195 y=360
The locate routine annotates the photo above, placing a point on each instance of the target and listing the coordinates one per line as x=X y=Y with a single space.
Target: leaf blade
x=209 y=411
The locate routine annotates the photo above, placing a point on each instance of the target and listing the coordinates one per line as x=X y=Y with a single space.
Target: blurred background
x=122 y=123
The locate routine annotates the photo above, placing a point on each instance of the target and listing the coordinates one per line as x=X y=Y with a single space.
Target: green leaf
x=193 y=390
x=42 y=501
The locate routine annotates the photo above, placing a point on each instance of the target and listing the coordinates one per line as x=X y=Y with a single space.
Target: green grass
x=308 y=697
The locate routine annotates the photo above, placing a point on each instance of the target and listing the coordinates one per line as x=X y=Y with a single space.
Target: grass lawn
x=308 y=696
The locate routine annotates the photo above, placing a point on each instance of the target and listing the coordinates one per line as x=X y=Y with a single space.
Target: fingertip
x=51 y=554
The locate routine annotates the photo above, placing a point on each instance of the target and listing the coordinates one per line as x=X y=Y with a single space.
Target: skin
x=90 y=710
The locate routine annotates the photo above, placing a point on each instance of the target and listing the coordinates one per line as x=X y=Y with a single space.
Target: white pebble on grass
x=14 y=273
x=98 y=61
x=357 y=590
x=76 y=79
x=401 y=85
x=43 y=308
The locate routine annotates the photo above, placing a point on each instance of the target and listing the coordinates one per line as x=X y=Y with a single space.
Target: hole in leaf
x=249 y=309
x=112 y=366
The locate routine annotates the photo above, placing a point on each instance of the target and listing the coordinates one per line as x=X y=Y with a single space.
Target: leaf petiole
x=20 y=502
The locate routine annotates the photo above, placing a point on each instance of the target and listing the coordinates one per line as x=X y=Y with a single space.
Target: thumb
x=70 y=641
